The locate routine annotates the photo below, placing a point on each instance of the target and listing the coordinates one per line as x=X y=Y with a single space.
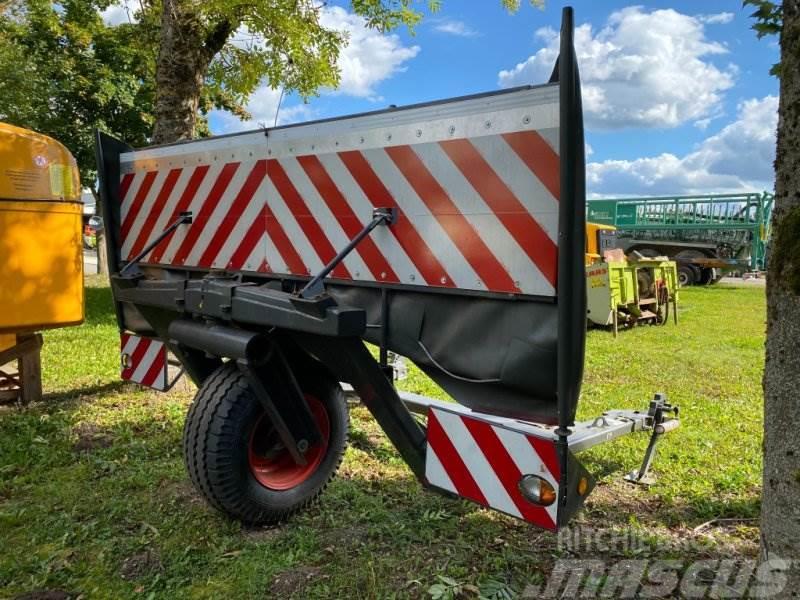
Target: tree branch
x=217 y=38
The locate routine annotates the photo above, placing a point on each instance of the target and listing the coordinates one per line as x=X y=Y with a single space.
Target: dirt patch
x=262 y=534
x=46 y=595
x=366 y=441
x=91 y=437
x=182 y=491
x=344 y=537
x=613 y=504
x=292 y=583
x=139 y=564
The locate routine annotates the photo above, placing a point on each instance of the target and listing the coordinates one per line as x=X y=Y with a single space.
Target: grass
x=94 y=499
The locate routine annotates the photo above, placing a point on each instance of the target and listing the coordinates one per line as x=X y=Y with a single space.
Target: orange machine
x=41 y=262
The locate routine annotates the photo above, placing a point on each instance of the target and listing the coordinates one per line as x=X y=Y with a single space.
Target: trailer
x=626 y=290
x=707 y=235
x=450 y=233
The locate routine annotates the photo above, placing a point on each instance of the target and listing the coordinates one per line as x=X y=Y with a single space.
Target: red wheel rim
x=270 y=461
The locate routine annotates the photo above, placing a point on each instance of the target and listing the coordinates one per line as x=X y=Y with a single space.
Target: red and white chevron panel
x=483 y=460
x=144 y=361
x=476 y=185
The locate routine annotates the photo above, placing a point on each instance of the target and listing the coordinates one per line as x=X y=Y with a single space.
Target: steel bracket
x=660 y=424
x=277 y=390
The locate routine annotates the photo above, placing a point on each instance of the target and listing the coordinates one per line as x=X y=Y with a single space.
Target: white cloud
x=702 y=124
x=370 y=57
x=119 y=13
x=642 y=69
x=453 y=27
x=722 y=18
x=738 y=158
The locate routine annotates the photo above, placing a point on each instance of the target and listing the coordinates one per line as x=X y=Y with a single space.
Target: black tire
x=706 y=276
x=649 y=252
x=687 y=275
x=217 y=440
x=645 y=283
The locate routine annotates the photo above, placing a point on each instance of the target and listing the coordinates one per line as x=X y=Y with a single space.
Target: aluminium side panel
x=475 y=181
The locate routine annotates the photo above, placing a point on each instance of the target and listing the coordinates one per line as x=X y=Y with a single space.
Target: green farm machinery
x=706 y=235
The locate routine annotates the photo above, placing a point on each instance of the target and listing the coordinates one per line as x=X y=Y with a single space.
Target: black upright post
x=571 y=287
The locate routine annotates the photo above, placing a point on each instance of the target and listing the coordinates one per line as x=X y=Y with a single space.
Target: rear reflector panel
x=144 y=361
x=485 y=461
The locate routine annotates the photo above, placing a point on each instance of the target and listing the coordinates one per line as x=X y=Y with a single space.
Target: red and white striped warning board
x=475 y=182
x=144 y=361
x=483 y=460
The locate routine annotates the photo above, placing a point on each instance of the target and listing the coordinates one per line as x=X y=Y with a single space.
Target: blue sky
x=678 y=96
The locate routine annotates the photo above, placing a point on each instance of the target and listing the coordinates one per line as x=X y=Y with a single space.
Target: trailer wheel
x=686 y=275
x=237 y=462
x=706 y=276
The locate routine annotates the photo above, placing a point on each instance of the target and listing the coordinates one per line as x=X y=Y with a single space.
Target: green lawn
x=94 y=499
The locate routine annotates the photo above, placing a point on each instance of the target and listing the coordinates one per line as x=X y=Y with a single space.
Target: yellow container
x=41 y=253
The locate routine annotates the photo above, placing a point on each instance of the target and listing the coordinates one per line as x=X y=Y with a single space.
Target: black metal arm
x=184 y=217
x=380 y=216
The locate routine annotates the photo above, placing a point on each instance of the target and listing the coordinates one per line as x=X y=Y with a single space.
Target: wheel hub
x=271 y=463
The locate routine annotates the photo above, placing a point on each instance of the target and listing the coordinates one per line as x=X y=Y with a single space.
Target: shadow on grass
x=87 y=392
x=370 y=444
x=616 y=502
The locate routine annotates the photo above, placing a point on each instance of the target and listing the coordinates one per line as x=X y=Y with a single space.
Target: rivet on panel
x=517 y=284
x=488 y=124
x=412 y=277
x=383 y=274
x=452 y=129
x=443 y=280
x=526 y=119
x=419 y=132
x=388 y=137
x=361 y=140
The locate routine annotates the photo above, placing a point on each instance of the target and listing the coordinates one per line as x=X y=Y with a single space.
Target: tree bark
x=780 y=509
x=187 y=47
x=101 y=249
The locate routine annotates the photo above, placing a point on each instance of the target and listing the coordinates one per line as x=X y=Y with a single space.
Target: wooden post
x=30 y=371
x=26 y=384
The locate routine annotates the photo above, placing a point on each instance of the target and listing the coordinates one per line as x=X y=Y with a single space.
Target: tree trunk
x=780 y=509
x=179 y=73
x=186 y=50
x=101 y=248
